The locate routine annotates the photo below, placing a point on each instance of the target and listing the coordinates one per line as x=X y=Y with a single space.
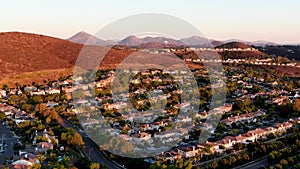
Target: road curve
x=91 y=149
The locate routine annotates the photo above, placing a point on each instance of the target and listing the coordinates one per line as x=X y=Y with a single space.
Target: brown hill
x=24 y=52
x=245 y=54
x=232 y=45
x=25 y=55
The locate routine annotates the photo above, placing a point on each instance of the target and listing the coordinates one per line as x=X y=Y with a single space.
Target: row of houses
x=243 y=117
x=189 y=151
x=268 y=62
x=17 y=115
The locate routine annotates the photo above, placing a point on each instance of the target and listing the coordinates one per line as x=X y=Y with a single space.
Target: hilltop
x=239 y=50
x=231 y=45
x=88 y=39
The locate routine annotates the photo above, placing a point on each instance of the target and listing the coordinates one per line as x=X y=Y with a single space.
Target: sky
x=271 y=20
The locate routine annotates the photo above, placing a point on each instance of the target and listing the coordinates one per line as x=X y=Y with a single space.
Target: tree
x=71 y=137
x=224 y=162
x=284 y=163
x=40 y=107
x=238 y=146
x=66 y=161
x=272 y=157
x=23 y=98
x=94 y=166
x=2 y=116
x=78 y=94
x=14 y=100
x=37 y=99
x=26 y=108
x=36 y=166
x=214 y=165
x=296 y=106
x=41 y=159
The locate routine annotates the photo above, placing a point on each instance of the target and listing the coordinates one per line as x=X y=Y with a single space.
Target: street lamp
x=2 y=137
x=2 y=145
x=90 y=152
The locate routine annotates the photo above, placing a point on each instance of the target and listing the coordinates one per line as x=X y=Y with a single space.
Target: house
x=51 y=104
x=38 y=92
x=142 y=136
x=158 y=124
x=226 y=142
x=202 y=115
x=44 y=146
x=258 y=132
x=169 y=156
x=188 y=152
x=45 y=134
x=172 y=135
x=22 y=164
x=30 y=88
x=53 y=91
x=249 y=137
x=2 y=93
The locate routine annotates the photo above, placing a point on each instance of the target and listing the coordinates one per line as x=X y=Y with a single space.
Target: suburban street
x=262 y=162
x=9 y=140
x=92 y=149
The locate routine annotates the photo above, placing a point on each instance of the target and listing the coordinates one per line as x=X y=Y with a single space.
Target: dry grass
x=37 y=76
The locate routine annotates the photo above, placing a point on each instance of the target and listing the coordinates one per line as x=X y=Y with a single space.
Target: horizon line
x=233 y=39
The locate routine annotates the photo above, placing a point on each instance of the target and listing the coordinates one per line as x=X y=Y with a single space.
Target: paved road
x=91 y=148
x=265 y=163
x=262 y=162
x=9 y=140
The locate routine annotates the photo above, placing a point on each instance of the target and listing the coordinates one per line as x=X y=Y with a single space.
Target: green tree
x=41 y=159
x=71 y=137
x=214 y=165
x=14 y=100
x=95 y=166
x=26 y=108
x=2 y=116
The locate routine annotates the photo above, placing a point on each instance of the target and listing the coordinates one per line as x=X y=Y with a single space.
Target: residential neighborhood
x=255 y=111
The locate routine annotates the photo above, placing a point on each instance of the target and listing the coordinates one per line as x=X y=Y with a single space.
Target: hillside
x=244 y=53
x=26 y=55
x=24 y=52
x=290 y=51
x=232 y=45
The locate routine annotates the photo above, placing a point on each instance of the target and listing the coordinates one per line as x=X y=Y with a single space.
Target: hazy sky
x=273 y=20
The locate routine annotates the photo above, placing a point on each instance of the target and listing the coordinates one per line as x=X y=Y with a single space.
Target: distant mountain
x=88 y=39
x=263 y=43
x=216 y=42
x=251 y=43
x=150 y=42
x=197 y=41
x=131 y=41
